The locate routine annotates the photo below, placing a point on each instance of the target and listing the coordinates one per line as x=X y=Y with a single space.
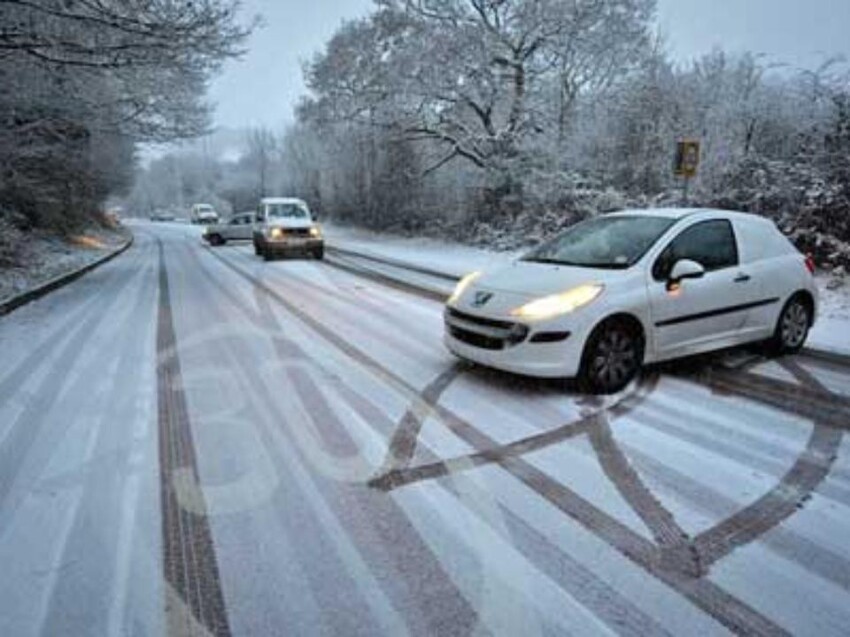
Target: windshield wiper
x=575 y=264
x=549 y=261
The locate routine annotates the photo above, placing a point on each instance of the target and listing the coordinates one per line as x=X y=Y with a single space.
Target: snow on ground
x=453 y=258
x=832 y=331
x=29 y=260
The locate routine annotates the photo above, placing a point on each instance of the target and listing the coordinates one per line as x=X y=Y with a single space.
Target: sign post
x=687 y=163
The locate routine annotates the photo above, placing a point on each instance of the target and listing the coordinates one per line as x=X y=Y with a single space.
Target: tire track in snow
x=189 y=561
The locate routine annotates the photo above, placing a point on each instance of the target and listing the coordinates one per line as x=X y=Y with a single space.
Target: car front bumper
x=293 y=244
x=550 y=349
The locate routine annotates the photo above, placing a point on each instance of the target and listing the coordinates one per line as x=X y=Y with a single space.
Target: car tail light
x=810 y=263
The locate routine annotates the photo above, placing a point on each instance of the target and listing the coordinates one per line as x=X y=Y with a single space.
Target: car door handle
x=742 y=278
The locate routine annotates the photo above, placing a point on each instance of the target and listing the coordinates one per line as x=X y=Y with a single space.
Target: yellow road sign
x=687 y=158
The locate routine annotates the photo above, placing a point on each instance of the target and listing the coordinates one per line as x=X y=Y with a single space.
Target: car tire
x=217 y=240
x=268 y=255
x=792 y=327
x=319 y=253
x=612 y=357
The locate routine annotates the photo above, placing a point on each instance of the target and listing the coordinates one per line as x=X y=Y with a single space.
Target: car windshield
x=605 y=242
x=286 y=211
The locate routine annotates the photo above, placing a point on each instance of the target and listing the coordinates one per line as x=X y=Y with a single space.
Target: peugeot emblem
x=481 y=299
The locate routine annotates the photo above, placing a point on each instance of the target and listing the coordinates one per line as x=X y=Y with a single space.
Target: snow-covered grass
x=832 y=331
x=30 y=259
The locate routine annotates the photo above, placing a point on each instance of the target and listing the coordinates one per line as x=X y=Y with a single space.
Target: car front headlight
x=315 y=232
x=275 y=233
x=558 y=304
x=462 y=285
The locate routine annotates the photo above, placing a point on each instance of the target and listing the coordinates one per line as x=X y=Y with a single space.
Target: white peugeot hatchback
x=617 y=291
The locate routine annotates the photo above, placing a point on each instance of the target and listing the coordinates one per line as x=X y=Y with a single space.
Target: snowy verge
x=32 y=264
x=831 y=332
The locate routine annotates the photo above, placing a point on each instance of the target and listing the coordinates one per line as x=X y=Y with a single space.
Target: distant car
x=286 y=226
x=612 y=293
x=162 y=215
x=239 y=227
x=204 y=213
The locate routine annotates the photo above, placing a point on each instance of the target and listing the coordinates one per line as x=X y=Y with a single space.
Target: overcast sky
x=263 y=88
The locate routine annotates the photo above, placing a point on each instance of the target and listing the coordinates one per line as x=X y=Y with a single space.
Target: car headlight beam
x=557 y=304
x=464 y=283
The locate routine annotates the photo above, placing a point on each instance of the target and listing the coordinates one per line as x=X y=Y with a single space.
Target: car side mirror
x=685 y=269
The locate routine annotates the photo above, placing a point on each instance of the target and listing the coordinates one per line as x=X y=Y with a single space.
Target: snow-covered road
x=193 y=441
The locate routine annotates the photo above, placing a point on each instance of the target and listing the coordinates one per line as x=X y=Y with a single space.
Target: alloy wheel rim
x=795 y=325
x=615 y=359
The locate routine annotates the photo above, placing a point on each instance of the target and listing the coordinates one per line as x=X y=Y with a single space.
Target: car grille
x=483 y=332
x=296 y=232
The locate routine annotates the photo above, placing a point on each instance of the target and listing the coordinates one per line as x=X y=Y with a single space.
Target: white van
x=204 y=213
x=284 y=226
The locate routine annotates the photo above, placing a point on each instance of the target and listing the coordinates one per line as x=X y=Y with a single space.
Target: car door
x=245 y=227
x=695 y=315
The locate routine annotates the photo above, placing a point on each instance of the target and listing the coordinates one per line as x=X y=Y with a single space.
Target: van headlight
x=315 y=232
x=275 y=233
x=464 y=283
x=557 y=304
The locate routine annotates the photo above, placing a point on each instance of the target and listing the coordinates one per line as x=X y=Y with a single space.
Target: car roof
x=291 y=200
x=681 y=213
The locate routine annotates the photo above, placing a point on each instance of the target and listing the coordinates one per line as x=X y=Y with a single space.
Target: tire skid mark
x=820 y=405
x=381 y=517
x=618 y=612
x=674 y=542
x=791 y=545
x=189 y=561
x=722 y=606
x=789 y=495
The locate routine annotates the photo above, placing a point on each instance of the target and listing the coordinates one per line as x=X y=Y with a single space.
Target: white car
x=620 y=290
x=240 y=227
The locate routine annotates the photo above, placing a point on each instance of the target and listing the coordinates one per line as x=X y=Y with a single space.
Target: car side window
x=709 y=243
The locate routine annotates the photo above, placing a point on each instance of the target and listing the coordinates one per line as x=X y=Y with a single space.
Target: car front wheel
x=612 y=357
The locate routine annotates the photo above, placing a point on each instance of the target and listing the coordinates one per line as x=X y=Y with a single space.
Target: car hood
x=523 y=281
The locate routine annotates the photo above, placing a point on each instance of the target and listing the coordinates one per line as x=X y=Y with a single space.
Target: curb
x=60 y=281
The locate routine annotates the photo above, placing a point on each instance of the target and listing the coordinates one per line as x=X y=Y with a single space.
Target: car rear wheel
x=612 y=357
x=793 y=325
x=216 y=240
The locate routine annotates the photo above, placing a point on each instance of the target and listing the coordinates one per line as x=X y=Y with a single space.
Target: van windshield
x=286 y=211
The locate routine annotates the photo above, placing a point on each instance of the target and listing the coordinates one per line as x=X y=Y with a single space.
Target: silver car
x=239 y=227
